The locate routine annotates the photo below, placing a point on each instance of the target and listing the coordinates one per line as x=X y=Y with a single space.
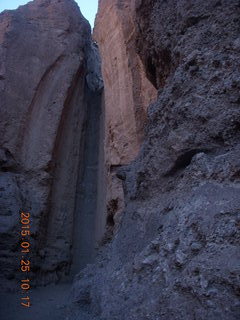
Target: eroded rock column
x=127 y=95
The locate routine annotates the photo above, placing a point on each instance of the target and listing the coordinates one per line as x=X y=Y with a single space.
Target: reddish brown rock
x=127 y=92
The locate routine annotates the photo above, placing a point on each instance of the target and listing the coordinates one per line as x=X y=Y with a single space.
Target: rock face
x=48 y=70
x=127 y=95
x=176 y=253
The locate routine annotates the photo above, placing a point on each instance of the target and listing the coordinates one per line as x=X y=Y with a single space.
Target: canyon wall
x=127 y=96
x=49 y=67
x=155 y=156
x=176 y=252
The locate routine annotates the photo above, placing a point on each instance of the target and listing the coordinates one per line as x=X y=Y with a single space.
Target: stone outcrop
x=176 y=253
x=48 y=69
x=127 y=95
x=168 y=162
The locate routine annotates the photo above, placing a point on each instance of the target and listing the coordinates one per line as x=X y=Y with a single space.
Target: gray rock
x=46 y=53
x=183 y=188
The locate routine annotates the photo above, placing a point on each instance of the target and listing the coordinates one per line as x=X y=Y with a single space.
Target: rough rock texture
x=176 y=254
x=48 y=66
x=127 y=95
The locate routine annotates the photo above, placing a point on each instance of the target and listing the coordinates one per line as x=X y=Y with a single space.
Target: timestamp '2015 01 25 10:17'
x=24 y=261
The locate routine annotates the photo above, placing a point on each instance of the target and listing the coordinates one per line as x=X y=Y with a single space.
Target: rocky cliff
x=154 y=159
x=127 y=96
x=49 y=73
x=176 y=253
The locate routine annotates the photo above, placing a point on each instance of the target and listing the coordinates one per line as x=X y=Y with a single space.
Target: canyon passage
x=122 y=145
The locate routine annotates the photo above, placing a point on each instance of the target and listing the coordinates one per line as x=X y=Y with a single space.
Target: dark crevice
x=110 y=220
x=183 y=161
x=8 y=162
x=112 y=208
x=192 y=21
x=151 y=71
x=158 y=66
x=87 y=187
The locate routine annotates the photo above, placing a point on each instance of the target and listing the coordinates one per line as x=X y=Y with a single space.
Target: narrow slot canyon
x=84 y=240
x=121 y=144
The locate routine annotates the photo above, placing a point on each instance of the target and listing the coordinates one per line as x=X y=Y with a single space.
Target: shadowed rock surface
x=176 y=254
